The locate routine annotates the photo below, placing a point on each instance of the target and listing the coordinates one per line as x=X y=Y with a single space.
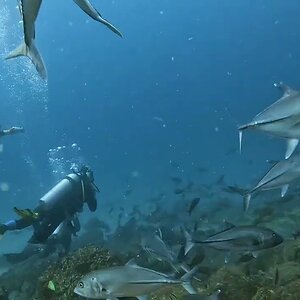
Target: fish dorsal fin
x=228 y=225
x=132 y=263
x=226 y=229
x=287 y=91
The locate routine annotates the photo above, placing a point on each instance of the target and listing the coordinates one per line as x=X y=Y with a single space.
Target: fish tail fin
x=110 y=26
x=247 y=199
x=189 y=244
x=33 y=54
x=186 y=280
x=291 y=146
x=21 y=50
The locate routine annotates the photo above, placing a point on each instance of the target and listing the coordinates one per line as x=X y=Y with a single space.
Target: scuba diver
x=57 y=207
x=11 y=131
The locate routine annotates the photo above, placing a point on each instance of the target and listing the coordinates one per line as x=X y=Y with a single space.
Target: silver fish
x=281 y=119
x=87 y=7
x=29 y=10
x=239 y=238
x=128 y=281
x=154 y=245
x=279 y=176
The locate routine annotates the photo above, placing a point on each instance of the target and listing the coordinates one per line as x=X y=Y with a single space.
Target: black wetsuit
x=61 y=203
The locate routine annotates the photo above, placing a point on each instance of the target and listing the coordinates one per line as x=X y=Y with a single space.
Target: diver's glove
x=3 y=229
x=26 y=213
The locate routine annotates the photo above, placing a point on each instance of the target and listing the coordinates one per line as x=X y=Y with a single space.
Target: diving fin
x=26 y=213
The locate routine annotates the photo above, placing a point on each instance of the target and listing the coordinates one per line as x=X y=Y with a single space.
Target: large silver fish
x=280 y=176
x=29 y=10
x=239 y=239
x=87 y=7
x=281 y=119
x=128 y=281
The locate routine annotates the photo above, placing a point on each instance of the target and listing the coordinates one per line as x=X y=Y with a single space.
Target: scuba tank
x=65 y=191
x=72 y=191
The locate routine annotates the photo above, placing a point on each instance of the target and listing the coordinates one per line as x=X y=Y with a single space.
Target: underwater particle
x=172 y=58
x=190 y=38
x=158 y=119
x=51 y=285
x=217 y=129
x=4 y=187
x=161 y=12
x=135 y=173
x=1 y=148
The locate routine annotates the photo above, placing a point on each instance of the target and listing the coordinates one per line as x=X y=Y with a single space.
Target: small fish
x=193 y=205
x=281 y=119
x=130 y=280
x=179 y=191
x=87 y=7
x=238 y=238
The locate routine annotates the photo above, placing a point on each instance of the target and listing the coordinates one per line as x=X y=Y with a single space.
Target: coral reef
x=59 y=280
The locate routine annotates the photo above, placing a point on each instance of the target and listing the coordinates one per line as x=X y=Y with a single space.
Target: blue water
x=165 y=99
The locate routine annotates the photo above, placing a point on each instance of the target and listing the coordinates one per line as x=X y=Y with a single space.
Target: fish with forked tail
x=279 y=176
x=29 y=10
x=238 y=238
x=128 y=281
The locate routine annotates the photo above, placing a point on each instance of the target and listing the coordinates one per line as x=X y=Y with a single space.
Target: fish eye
x=104 y=290
x=93 y=278
x=81 y=284
x=273 y=234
